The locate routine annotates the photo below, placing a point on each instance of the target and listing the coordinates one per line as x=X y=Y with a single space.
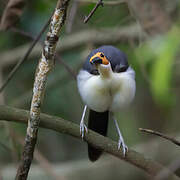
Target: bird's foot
x=123 y=145
x=83 y=129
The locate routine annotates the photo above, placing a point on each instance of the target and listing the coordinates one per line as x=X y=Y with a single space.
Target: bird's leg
x=121 y=140
x=83 y=127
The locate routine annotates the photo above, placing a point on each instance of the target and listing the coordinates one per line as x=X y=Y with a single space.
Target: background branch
x=60 y=125
x=71 y=16
x=97 y=37
x=173 y=166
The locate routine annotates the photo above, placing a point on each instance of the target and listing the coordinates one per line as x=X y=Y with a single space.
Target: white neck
x=105 y=71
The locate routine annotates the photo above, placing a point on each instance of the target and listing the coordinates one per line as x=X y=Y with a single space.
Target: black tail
x=98 y=122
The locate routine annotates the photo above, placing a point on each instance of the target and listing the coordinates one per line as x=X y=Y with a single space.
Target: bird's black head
x=105 y=55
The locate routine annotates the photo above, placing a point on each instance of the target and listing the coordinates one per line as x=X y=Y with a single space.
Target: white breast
x=111 y=93
x=94 y=91
x=123 y=89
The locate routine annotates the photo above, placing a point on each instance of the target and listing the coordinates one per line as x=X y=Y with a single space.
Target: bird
x=106 y=84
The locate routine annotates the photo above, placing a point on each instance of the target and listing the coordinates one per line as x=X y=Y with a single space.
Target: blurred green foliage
x=161 y=53
x=162 y=69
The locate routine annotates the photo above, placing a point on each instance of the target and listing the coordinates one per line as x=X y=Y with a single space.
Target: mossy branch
x=63 y=126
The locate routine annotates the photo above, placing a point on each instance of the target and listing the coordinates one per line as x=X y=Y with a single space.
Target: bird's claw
x=83 y=129
x=123 y=145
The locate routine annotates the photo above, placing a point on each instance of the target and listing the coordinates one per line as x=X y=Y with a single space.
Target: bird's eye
x=121 y=68
x=102 y=55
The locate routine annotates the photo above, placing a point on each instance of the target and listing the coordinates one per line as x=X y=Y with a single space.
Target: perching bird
x=106 y=84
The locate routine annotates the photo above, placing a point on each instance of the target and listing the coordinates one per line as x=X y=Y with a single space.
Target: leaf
x=12 y=13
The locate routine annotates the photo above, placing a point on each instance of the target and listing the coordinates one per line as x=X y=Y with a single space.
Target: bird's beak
x=96 y=60
x=99 y=58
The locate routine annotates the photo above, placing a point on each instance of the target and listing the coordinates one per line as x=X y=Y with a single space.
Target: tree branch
x=63 y=126
x=149 y=131
x=44 y=67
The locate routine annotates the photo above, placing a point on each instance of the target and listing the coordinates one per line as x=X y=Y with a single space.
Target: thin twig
x=173 y=140
x=11 y=74
x=44 y=67
x=105 y=2
x=67 y=127
x=68 y=68
x=2 y=99
x=99 y=3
